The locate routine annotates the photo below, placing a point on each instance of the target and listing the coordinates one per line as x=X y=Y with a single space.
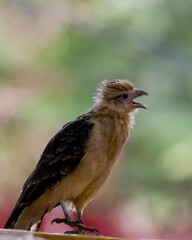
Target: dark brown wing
x=60 y=157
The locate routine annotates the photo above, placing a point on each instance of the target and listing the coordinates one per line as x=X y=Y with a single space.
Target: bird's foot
x=81 y=228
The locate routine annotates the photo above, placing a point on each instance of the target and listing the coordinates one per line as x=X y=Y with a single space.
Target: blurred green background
x=52 y=56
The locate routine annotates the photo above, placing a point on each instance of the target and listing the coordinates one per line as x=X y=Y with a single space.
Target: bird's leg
x=67 y=220
x=81 y=228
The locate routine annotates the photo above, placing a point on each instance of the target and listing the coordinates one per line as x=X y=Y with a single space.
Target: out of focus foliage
x=52 y=56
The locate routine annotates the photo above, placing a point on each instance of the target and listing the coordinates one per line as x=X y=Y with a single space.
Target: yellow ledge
x=7 y=234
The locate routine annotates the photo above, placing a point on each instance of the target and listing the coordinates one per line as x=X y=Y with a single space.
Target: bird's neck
x=126 y=119
x=114 y=126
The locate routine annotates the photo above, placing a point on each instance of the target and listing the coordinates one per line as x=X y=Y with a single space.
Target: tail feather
x=26 y=218
x=14 y=217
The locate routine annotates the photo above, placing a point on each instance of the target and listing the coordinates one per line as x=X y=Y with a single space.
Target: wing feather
x=60 y=157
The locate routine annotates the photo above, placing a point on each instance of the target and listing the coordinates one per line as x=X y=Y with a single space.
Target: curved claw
x=59 y=220
x=85 y=228
x=67 y=221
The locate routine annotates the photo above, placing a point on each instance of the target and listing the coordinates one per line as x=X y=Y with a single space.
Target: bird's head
x=119 y=95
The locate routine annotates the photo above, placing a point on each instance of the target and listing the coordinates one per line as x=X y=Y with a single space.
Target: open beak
x=137 y=93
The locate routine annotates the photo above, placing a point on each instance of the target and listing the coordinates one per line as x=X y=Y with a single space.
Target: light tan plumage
x=104 y=130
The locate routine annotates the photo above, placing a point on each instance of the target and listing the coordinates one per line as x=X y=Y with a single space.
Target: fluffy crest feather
x=110 y=89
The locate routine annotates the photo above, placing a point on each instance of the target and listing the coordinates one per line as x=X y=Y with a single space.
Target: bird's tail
x=13 y=217
x=25 y=218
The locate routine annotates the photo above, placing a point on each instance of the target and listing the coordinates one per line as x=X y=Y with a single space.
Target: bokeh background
x=52 y=56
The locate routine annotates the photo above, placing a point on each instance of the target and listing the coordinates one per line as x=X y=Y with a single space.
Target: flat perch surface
x=26 y=235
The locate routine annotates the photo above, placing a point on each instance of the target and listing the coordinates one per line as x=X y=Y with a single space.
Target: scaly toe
x=90 y=229
x=64 y=220
x=58 y=220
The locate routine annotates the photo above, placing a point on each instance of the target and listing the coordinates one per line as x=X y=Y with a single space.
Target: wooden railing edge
x=22 y=234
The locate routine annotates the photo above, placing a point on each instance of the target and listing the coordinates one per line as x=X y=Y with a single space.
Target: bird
x=78 y=160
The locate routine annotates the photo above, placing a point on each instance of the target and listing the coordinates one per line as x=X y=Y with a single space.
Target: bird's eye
x=123 y=96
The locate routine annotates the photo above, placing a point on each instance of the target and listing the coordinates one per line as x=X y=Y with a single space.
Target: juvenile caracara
x=78 y=159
